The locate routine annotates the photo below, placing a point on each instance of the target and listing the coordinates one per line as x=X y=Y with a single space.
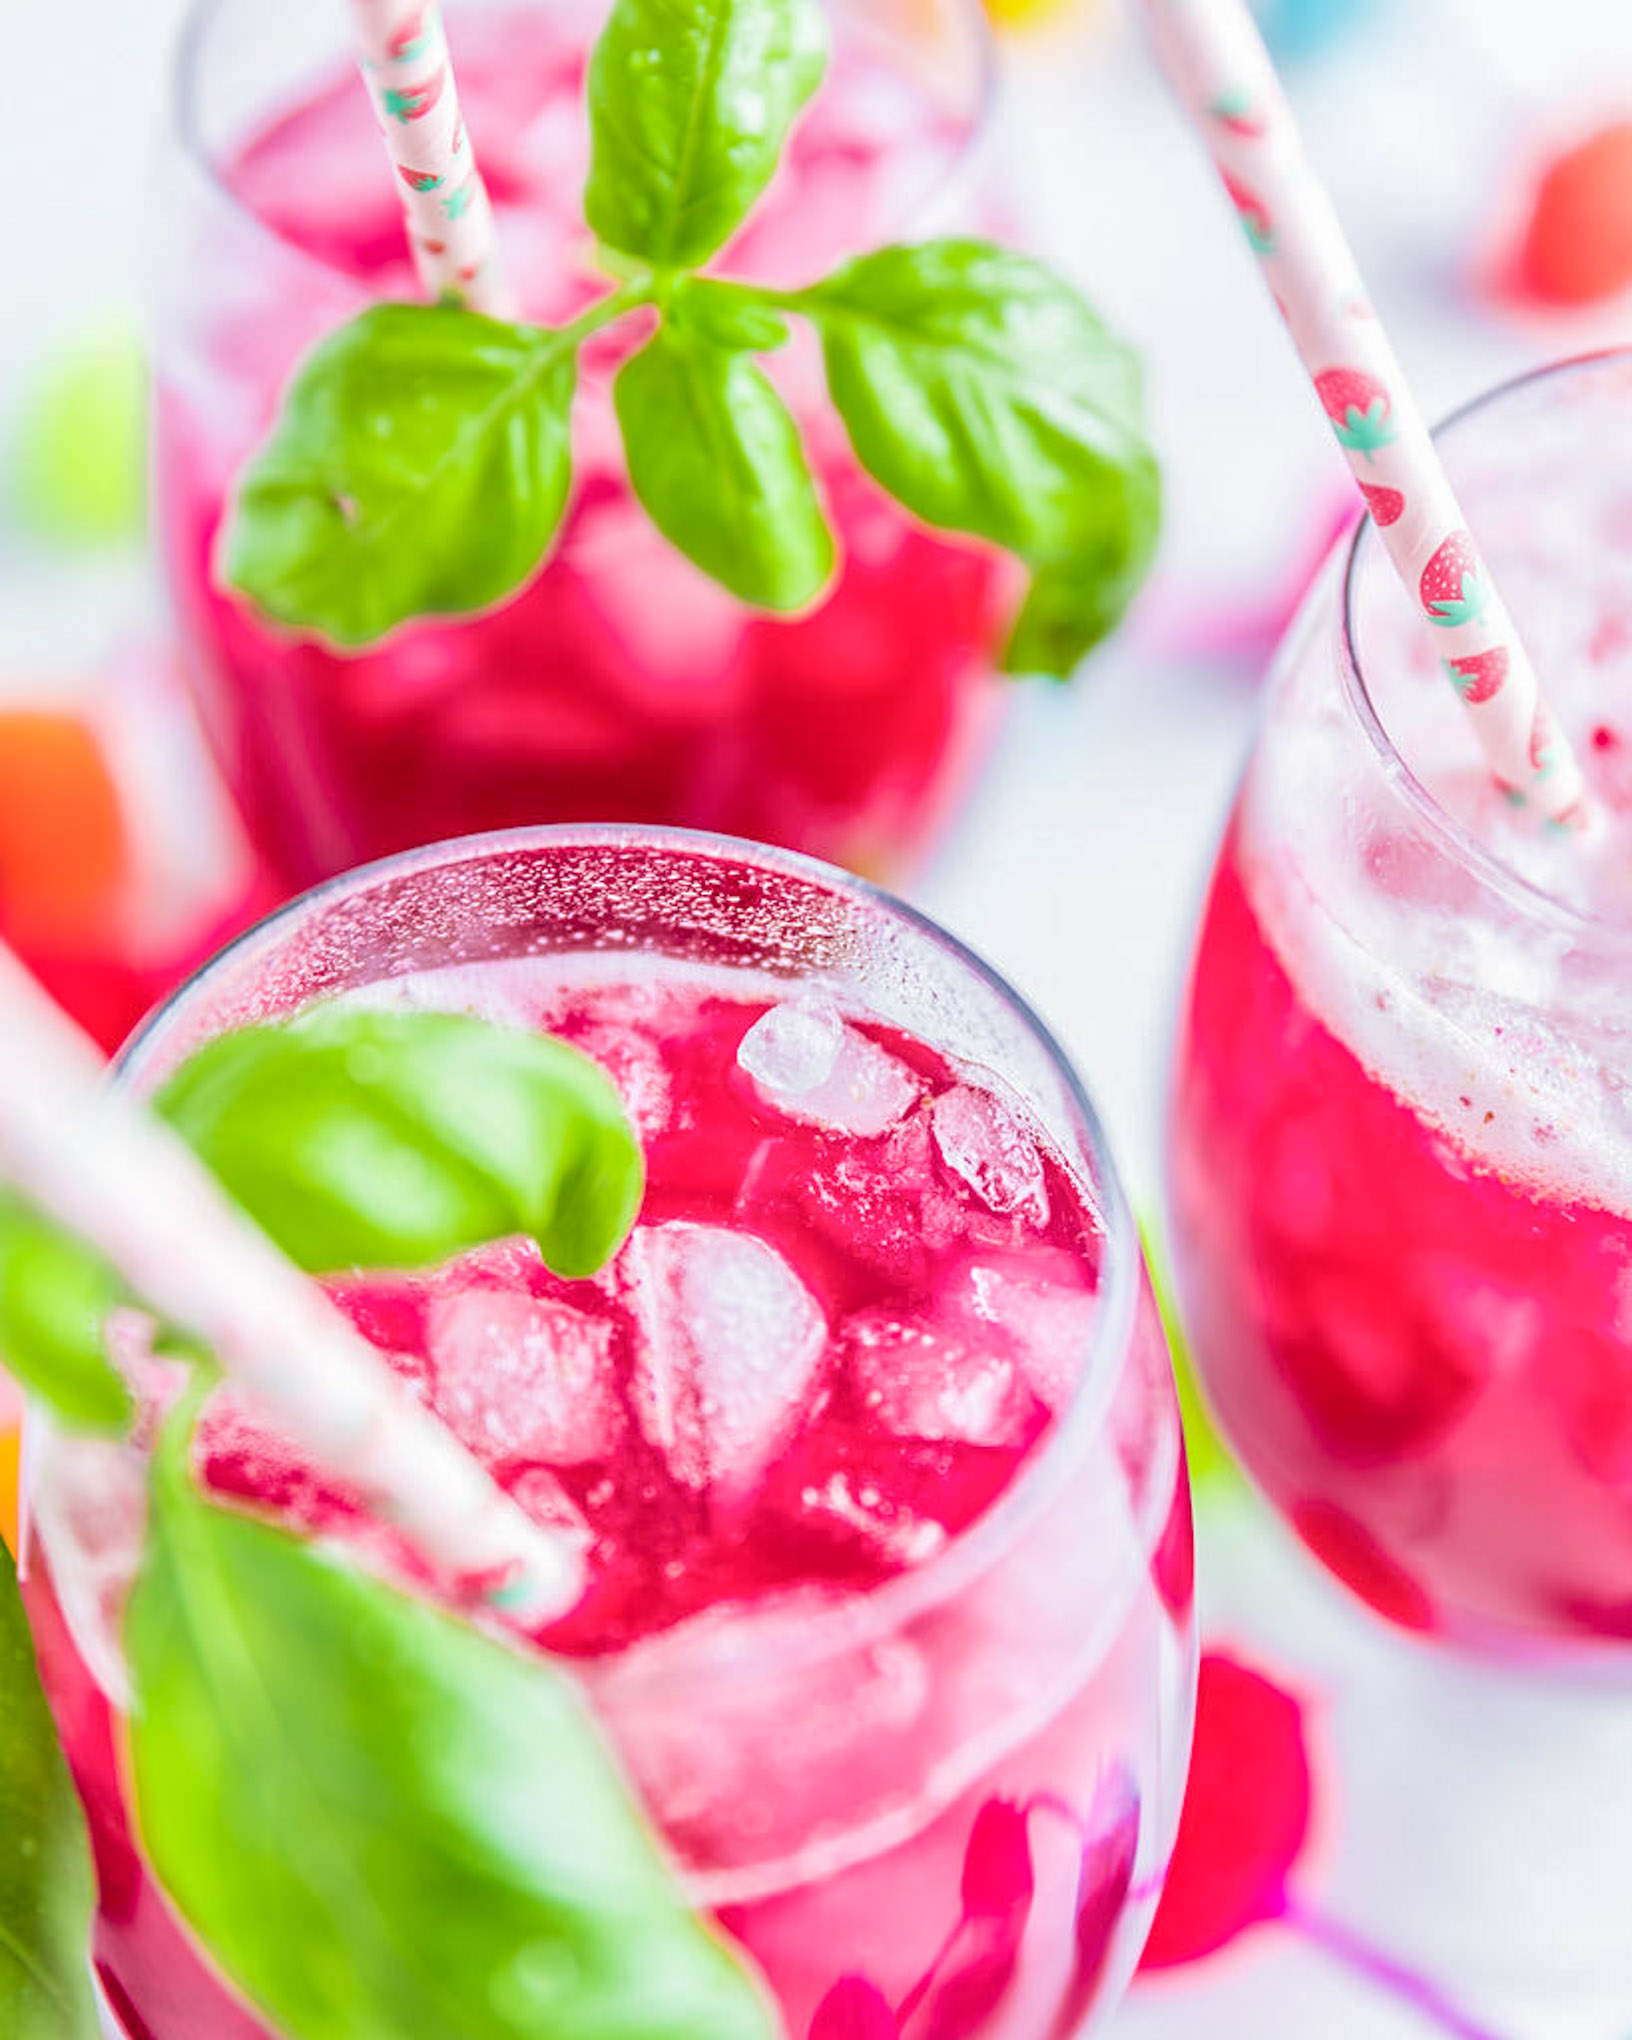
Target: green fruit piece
x=79 y=470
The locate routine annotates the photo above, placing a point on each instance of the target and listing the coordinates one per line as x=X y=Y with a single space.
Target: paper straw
x=1217 y=63
x=403 y=53
x=88 y=1155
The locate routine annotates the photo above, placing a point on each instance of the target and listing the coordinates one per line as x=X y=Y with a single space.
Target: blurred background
x=1481 y=152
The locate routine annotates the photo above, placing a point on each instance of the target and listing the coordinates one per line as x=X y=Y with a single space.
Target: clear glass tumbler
x=621 y=684
x=847 y=1775
x=1400 y=1190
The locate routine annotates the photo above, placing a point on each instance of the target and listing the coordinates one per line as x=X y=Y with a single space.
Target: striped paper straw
x=403 y=54
x=89 y=1156
x=1216 y=60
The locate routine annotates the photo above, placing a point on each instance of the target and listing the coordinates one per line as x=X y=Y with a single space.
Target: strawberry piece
x=1576 y=248
x=1246 y=1816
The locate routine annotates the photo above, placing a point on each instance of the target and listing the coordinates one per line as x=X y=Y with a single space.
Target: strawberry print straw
x=1217 y=63
x=90 y=1157
x=403 y=53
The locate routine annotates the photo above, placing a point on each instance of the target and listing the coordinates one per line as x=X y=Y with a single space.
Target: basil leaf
x=419 y=467
x=728 y=314
x=715 y=457
x=1074 y=603
x=363 y=1139
x=380 y=1822
x=690 y=104
x=55 y=1296
x=983 y=393
x=46 y=1887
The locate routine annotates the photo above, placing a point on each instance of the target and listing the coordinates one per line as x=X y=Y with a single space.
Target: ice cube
x=1039 y=1306
x=524 y=1377
x=794 y=1048
x=732 y=1350
x=922 y=1380
x=984 y=1142
x=808 y=1063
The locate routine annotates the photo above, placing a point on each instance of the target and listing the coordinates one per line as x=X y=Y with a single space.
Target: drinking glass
x=1400 y=1190
x=621 y=684
x=846 y=1779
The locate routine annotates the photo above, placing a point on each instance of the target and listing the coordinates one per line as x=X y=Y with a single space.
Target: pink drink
x=1401 y=1174
x=867 y=1432
x=622 y=684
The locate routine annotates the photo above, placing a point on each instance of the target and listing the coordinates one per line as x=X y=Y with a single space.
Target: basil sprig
x=421 y=462
x=46 y=1886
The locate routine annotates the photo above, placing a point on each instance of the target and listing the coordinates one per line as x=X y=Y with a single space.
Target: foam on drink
x=1514 y=1047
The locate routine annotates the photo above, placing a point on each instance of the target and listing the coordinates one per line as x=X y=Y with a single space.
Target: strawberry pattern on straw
x=403 y=54
x=1216 y=61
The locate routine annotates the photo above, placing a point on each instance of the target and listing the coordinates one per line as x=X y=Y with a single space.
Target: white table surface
x=1079 y=868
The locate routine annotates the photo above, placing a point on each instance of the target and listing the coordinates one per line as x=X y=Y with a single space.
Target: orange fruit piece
x=63 y=841
x=11 y=1443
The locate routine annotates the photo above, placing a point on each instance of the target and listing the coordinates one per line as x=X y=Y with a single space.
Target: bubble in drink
x=732 y=1342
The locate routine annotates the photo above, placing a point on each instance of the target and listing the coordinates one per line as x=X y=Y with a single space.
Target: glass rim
x=186 y=97
x=868 y=1615
x=1535 y=901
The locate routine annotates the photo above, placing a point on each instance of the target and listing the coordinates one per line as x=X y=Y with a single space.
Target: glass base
x=1473 y=1818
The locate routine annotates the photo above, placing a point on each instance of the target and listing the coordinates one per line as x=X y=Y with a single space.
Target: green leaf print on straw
x=402 y=50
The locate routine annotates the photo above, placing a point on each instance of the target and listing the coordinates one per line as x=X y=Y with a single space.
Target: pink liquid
x=1423 y=1361
x=621 y=685
x=824 y=1355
